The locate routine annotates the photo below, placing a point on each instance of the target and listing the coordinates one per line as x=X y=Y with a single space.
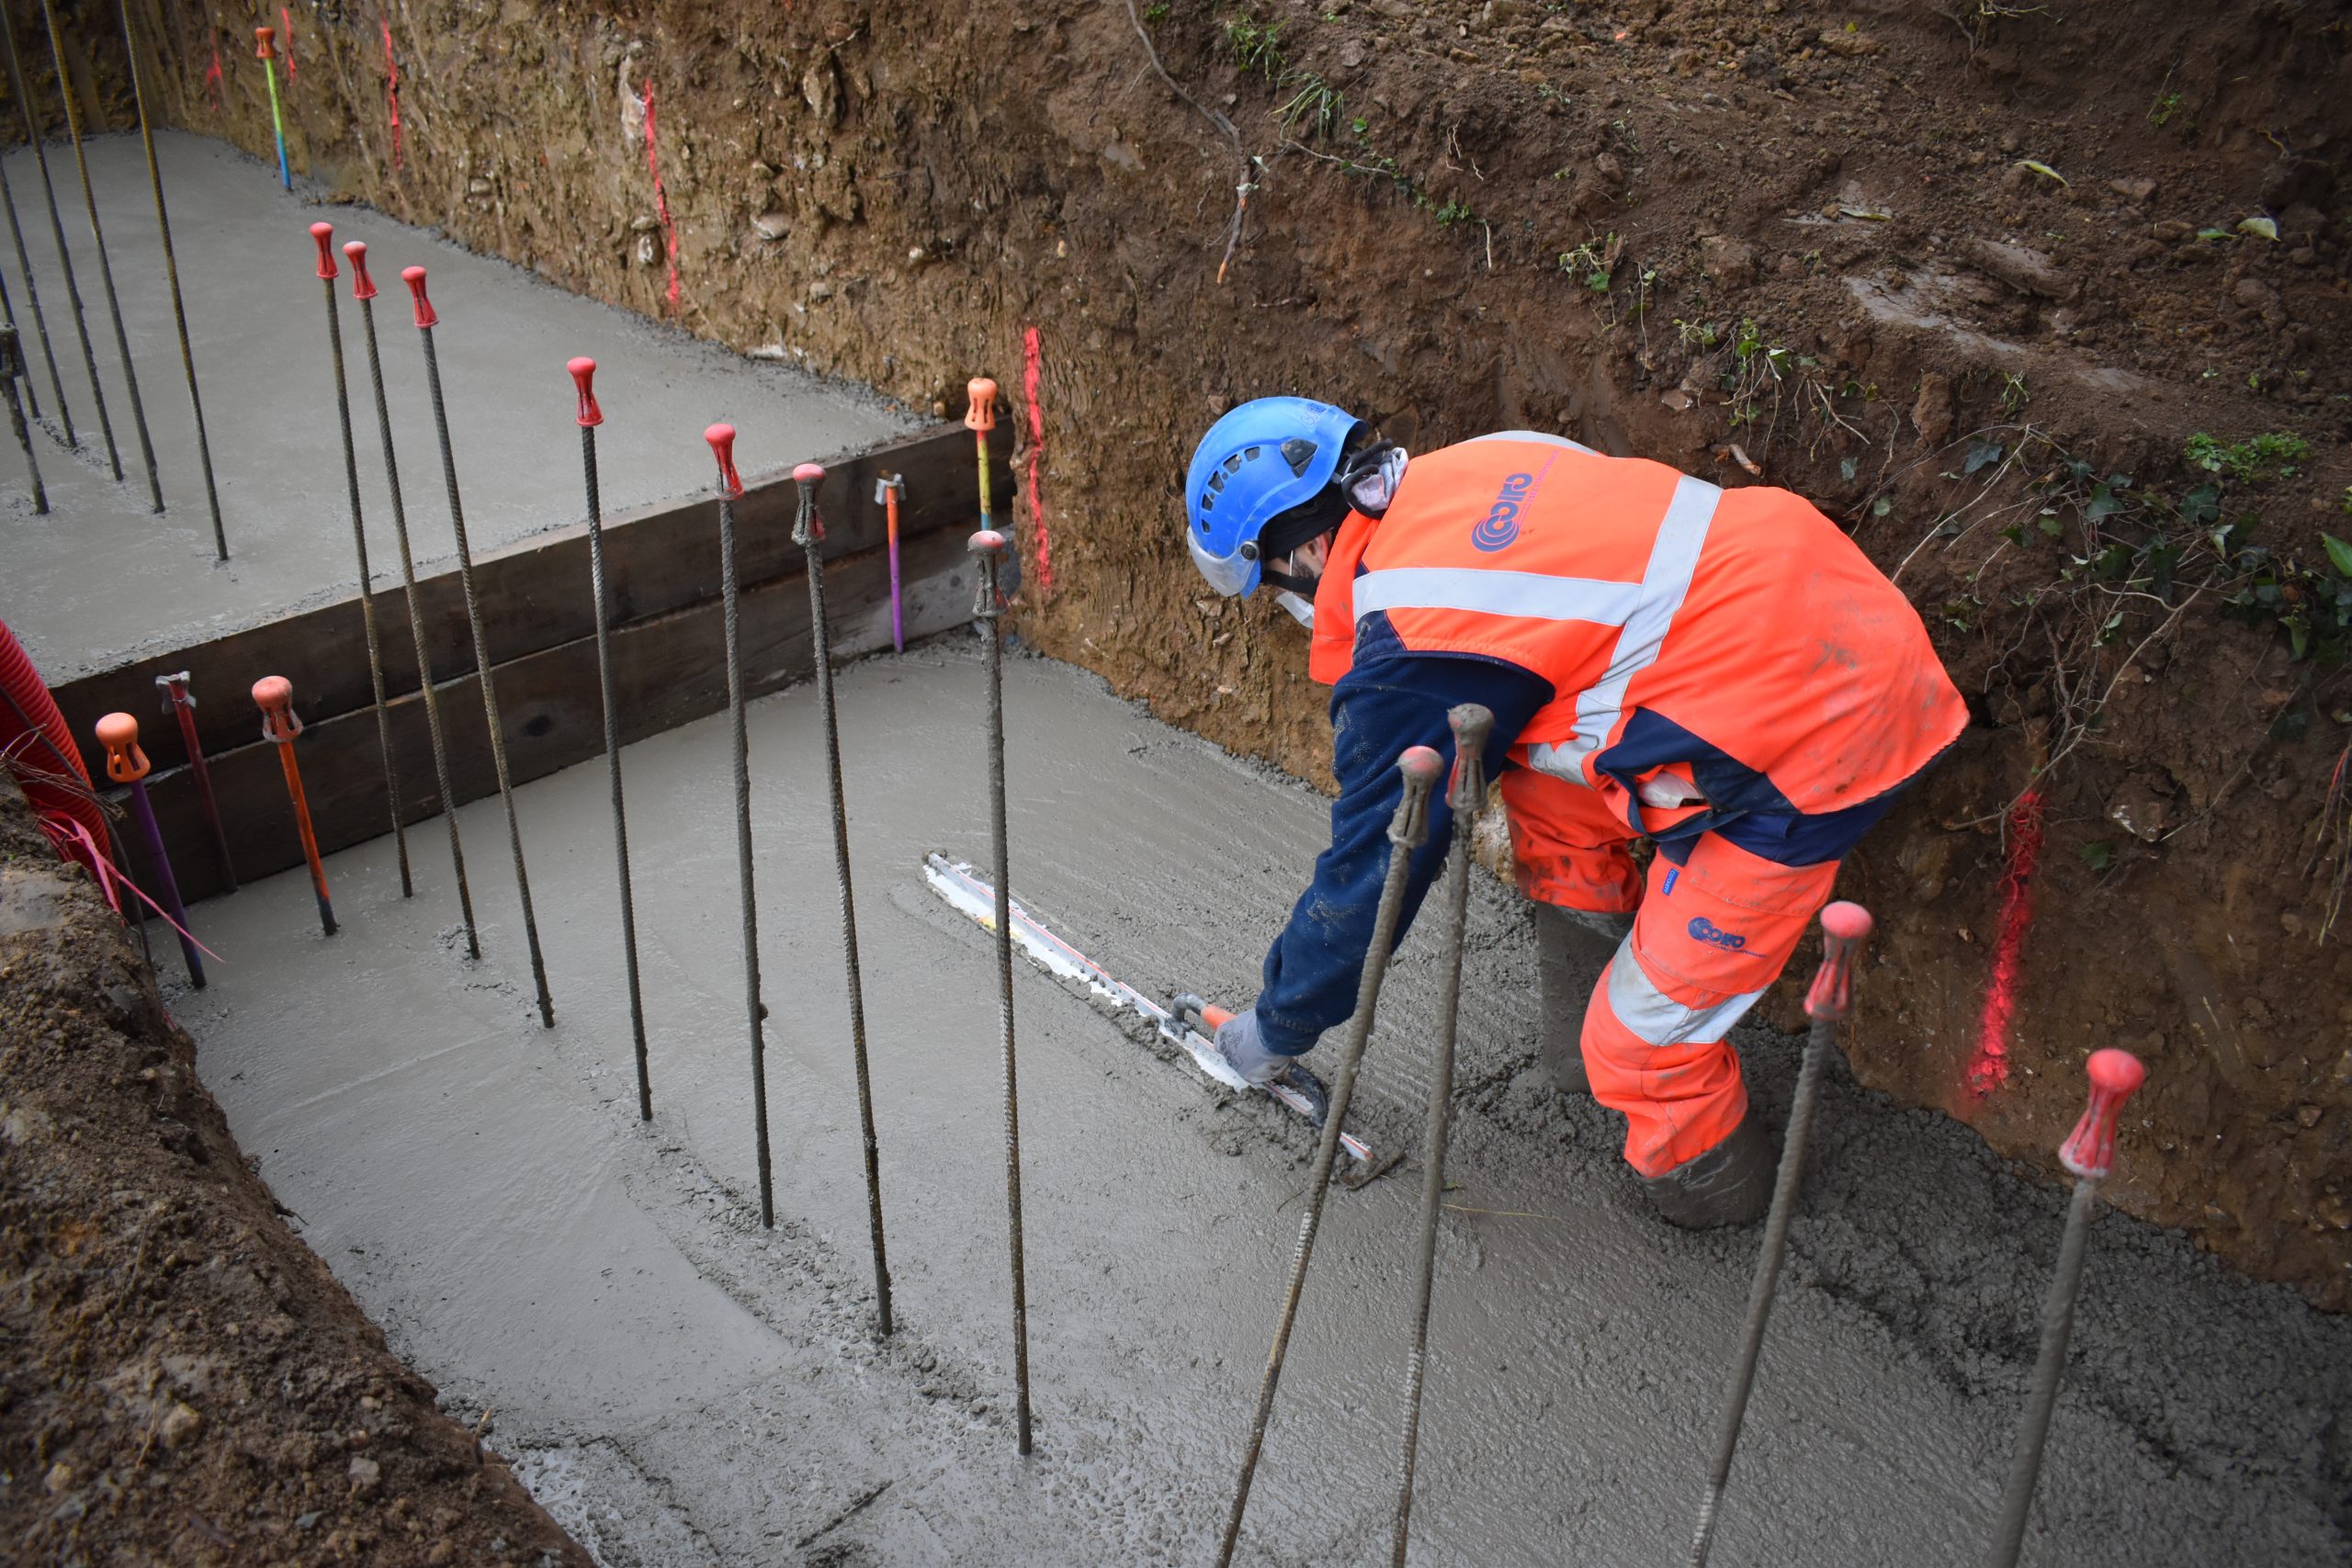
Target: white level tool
x=956 y=883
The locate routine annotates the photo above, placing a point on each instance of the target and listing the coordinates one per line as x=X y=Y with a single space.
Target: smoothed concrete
x=102 y=577
x=684 y=1388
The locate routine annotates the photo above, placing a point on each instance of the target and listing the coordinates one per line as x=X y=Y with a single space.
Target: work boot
x=1729 y=1185
x=1571 y=948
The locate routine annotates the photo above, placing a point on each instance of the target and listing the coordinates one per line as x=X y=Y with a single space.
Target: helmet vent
x=1298 y=452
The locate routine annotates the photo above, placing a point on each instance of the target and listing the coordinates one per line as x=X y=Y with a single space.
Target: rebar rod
x=1407 y=830
x=324 y=234
x=1471 y=725
x=180 y=702
x=64 y=256
x=722 y=444
x=589 y=417
x=987 y=548
x=1844 y=929
x=808 y=532
x=363 y=289
x=187 y=354
x=12 y=361
x=8 y=310
x=414 y=277
x=106 y=267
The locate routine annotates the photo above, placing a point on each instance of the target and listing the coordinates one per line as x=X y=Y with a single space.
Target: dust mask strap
x=1301 y=611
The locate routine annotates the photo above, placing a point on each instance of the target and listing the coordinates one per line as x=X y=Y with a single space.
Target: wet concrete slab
x=102 y=577
x=683 y=1387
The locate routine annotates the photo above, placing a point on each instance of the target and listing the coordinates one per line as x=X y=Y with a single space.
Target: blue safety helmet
x=1258 y=461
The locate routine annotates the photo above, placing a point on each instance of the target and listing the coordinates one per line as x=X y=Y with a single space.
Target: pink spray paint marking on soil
x=285 y=15
x=660 y=199
x=392 y=93
x=213 y=78
x=1988 y=1069
x=1029 y=378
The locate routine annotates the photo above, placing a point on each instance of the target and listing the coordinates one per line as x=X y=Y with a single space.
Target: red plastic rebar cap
x=324 y=234
x=809 y=473
x=362 y=285
x=263 y=38
x=414 y=277
x=1844 y=921
x=583 y=376
x=1421 y=765
x=722 y=446
x=273 y=691
x=981 y=415
x=988 y=541
x=2118 y=1073
x=119 y=733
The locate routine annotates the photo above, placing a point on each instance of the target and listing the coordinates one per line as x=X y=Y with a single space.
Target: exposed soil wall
x=1972 y=277
x=185 y=1381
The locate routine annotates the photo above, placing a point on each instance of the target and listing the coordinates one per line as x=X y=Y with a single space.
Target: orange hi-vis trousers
x=1709 y=936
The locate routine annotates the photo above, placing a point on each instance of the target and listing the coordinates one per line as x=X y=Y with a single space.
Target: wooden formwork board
x=662 y=583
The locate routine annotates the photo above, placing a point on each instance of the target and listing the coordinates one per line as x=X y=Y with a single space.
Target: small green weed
x=2164 y=109
x=1314 y=109
x=2274 y=453
x=1256 y=46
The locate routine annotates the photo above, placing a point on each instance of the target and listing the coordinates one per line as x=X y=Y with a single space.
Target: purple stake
x=127 y=764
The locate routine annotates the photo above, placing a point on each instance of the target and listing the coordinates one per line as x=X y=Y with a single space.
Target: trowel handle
x=1189 y=1008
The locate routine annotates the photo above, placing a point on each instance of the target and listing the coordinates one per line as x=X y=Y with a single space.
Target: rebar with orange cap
x=426 y=318
x=363 y=289
x=171 y=278
x=180 y=702
x=264 y=39
x=127 y=764
x=274 y=694
x=105 y=269
x=888 y=488
x=1844 y=928
x=730 y=485
x=1407 y=830
x=808 y=532
x=2089 y=1153
x=323 y=234
x=583 y=378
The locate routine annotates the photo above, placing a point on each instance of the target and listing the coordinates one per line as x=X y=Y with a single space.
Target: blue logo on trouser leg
x=1706 y=931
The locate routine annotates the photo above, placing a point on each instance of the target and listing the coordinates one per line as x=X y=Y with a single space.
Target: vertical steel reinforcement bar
x=808 y=532
x=64 y=257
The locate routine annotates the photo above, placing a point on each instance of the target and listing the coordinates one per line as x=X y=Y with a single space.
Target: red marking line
x=1989 y=1068
x=660 y=199
x=1036 y=455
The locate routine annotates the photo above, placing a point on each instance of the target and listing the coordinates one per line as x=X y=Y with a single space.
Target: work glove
x=1244 y=1048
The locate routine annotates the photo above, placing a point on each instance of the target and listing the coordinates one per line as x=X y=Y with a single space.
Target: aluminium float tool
x=1180 y=1022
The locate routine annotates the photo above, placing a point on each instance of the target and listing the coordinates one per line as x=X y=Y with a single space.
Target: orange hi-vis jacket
x=1714 y=654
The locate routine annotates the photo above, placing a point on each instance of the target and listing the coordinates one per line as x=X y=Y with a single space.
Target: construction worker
x=1720 y=673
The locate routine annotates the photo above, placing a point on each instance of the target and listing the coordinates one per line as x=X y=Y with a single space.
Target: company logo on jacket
x=1500 y=526
x=1706 y=931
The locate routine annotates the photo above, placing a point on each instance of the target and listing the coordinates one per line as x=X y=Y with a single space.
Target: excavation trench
x=679 y=1386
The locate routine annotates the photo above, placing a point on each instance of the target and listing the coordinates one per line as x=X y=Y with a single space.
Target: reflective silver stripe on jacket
x=1656 y=1018
x=1666 y=581
x=1531 y=595
x=1535 y=436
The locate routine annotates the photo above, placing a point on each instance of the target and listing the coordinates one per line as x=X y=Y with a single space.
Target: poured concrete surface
x=102 y=577
x=681 y=1387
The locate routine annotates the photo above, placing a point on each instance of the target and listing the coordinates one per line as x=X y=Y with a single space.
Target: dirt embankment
x=185 y=1381
x=1976 y=278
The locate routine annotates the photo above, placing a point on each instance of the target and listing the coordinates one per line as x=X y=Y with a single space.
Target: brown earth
x=184 y=1382
x=1971 y=276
